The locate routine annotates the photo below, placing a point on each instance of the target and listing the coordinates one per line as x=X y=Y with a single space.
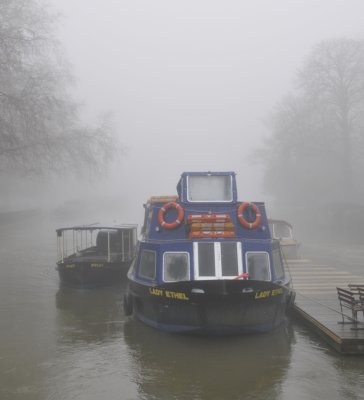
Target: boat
x=95 y=255
x=283 y=231
x=206 y=262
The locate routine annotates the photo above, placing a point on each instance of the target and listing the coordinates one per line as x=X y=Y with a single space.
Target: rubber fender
x=128 y=305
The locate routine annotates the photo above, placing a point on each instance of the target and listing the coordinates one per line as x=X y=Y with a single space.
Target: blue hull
x=224 y=307
x=221 y=331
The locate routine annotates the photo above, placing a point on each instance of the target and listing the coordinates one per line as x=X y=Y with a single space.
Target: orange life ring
x=162 y=211
x=246 y=224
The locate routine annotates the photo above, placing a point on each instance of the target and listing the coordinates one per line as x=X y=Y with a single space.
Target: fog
x=190 y=84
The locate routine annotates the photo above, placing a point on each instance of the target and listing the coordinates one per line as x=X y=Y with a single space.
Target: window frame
x=282 y=237
x=188 y=265
x=209 y=201
x=155 y=265
x=258 y=252
x=218 y=261
x=278 y=252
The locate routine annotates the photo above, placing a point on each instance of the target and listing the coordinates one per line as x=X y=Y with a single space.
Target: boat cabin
x=205 y=233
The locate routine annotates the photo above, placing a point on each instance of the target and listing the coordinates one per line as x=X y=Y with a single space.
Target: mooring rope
x=332 y=309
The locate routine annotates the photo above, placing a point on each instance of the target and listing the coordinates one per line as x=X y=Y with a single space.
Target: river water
x=58 y=343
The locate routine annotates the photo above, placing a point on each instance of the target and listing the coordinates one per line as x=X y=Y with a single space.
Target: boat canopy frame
x=82 y=237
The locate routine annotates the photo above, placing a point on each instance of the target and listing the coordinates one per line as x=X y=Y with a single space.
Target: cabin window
x=217 y=260
x=277 y=264
x=209 y=188
x=258 y=266
x=229 y=259
x=176 y=267
x=147 y=267
x=206 y=259
x=281 y=231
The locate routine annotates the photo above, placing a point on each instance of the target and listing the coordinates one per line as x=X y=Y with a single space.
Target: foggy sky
x=190 y=83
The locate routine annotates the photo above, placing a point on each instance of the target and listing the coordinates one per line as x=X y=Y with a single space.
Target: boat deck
x=317 y=304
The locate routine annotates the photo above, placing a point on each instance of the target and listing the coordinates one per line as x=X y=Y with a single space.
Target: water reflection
x=27 y=345
x=350 y=371
x=59 y=343
x=316 y=371
x=89 y=315
x=188 y=367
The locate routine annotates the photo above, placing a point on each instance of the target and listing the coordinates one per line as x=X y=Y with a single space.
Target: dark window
x=229 y=259
x=258 y=266
x=277 y=264
x=147 y=268
x=206 y=259
x=176 y=267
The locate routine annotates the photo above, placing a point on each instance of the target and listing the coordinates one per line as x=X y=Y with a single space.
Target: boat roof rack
x=96 y=227
x=162 y=199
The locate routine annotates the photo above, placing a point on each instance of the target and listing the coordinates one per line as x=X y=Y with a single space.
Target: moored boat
x=283 y=231
x=95 y=255
x=206 y=262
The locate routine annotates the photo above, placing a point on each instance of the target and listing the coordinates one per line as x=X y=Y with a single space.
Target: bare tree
x=333 y=77
x=40 y=129
x=316 y=147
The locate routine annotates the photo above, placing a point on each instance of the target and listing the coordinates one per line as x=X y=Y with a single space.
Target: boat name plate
x=168 y=293
x=267 y=293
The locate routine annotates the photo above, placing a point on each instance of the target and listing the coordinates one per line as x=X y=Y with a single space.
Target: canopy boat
x=283 y=231
x=94 y=255
x=206 y=263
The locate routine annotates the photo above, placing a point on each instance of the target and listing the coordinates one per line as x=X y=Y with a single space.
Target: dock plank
x=317 y=304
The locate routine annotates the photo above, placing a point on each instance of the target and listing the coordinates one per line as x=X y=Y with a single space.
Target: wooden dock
x=318 y=307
